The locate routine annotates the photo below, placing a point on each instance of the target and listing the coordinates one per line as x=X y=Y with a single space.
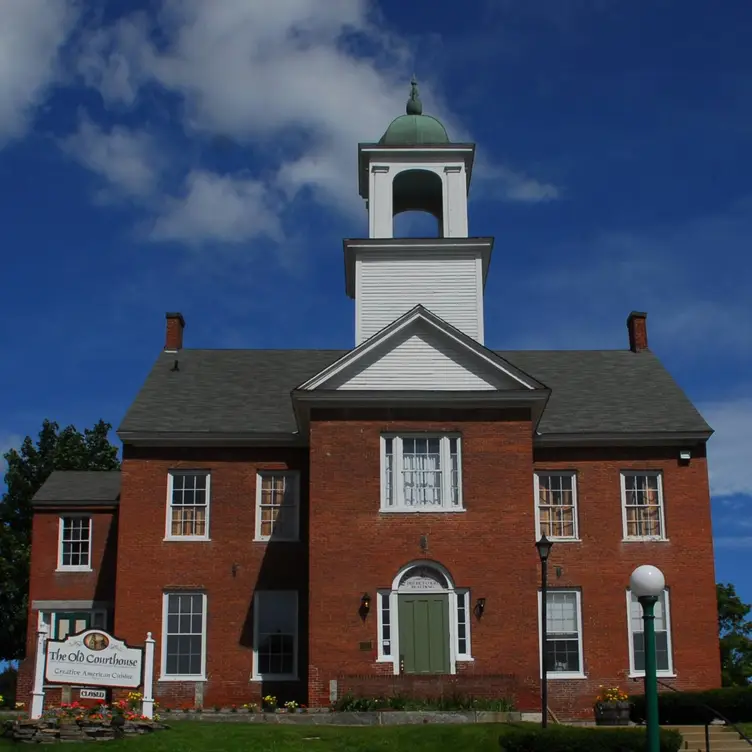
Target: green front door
x=424 y=633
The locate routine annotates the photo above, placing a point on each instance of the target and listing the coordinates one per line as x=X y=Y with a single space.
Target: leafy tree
x=735 y=630
x=28 y=468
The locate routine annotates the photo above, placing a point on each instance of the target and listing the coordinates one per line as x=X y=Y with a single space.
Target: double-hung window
x=663 y=657
x=563 y=649
x=188 y=494
x=277 y=505
x=74 y=544
x=184 y=636
x=421 y=473
x=275 y=635
x=556 y=505
x=642 y=505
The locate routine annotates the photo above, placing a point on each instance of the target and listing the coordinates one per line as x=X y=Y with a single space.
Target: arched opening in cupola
x=418 y=204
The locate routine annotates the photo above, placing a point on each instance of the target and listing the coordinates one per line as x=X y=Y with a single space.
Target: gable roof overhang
x=613 y=439
x=212 y=439
x=447 y=331
x=530 y=393
x=305 y=401
x=72 y=506
x=354 y=246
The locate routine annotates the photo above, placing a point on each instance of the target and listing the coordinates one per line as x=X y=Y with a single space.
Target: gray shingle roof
x=79 y=486
x=592 y=391
x=608 y=391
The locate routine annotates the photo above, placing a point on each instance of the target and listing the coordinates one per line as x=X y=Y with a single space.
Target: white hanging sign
x=94 y=658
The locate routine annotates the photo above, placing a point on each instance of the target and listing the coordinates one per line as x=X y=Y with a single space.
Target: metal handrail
x=718 y=715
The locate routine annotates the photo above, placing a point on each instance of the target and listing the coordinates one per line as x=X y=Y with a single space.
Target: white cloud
x=678 y=273
x=127 y=160
x=286 y=78
x=8 y=441
x=730 y=541
x=227 y=209
x=31 y=35
x=730 y=448
x=260 y=73
x=510 y=185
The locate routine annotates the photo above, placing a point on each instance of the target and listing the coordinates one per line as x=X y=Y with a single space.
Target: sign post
x=147 y=703
x=37 y=694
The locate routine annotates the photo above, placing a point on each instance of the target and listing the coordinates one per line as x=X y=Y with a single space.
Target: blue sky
x=195 y=156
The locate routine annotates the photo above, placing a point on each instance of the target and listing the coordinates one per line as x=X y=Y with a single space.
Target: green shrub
x=582 y=739
x=8 y=680
x=352 y=704
x=735 y=703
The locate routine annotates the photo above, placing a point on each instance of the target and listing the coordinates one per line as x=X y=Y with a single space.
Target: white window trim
x=556 y=675
x=661 y=506
x=76 y=567
x=633 y=673
x=463 y=593
x=398 y=507
x=381 y=656
x=294 y=476
x=536 y=486
x=393 y=596
x=168 y=507
x=255 y=675
x=164 y=676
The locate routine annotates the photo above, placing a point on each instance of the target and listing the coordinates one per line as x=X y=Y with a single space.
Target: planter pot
x=612 y=714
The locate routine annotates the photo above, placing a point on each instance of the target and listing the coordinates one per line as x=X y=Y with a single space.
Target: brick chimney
x=174 y=337
x=638 y=331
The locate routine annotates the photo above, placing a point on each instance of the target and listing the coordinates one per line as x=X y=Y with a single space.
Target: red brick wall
x=490 y=548
x=601 y=565
x=463 y=684
x=47 y=584
x=354 y=549
x=148 y=565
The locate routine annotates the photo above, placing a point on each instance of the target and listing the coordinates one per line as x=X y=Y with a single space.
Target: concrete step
x=721 y=738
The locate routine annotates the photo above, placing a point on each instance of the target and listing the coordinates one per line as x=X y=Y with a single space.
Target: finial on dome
x=414 y=105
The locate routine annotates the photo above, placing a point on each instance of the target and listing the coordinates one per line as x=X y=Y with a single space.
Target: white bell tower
x=415 y=167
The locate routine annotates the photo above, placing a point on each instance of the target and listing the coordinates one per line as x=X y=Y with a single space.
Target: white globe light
x=647 y=580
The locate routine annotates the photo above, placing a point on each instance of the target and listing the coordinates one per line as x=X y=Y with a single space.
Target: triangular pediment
x=421 y=352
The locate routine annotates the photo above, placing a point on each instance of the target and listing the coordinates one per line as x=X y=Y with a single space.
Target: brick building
x=309 y=523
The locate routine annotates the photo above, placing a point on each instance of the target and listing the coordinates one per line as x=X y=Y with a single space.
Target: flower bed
x=48 y=730
x=77 y=721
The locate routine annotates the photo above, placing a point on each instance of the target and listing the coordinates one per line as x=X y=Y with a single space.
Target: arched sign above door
x=422 y=578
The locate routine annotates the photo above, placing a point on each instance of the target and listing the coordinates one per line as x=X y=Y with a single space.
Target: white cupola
x=415 y=167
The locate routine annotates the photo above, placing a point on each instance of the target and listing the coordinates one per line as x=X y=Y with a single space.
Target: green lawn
x=194 y=736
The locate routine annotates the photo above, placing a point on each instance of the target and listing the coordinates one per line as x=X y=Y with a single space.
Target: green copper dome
x=414 y=128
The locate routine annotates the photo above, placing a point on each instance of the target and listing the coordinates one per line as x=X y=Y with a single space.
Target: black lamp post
x=544 y=546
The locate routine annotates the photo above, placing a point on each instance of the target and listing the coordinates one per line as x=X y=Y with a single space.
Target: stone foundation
x=50 y=731
x=362 y=718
